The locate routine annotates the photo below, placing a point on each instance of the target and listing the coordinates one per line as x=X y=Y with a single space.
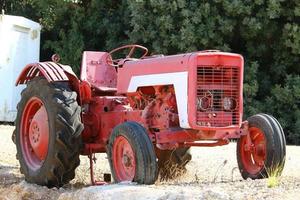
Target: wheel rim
x=253 y=154
x=123 y=159
x=34 y=133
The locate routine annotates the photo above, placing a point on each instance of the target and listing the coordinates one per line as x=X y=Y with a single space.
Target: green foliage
x=265 y=32
x=284 y=102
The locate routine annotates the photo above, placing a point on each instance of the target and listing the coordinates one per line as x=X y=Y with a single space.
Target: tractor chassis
x=173 y=139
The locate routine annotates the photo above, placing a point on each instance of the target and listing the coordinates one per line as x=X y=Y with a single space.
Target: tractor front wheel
x=131 y=154
x=47 y=133
x=261 y=153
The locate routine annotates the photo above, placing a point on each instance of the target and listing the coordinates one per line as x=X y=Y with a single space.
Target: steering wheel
x=118 y=62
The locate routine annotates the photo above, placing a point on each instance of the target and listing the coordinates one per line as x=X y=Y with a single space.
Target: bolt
x=260 y=163
x=126 y=161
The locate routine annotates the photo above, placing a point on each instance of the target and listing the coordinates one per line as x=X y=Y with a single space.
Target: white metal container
x=19 y=45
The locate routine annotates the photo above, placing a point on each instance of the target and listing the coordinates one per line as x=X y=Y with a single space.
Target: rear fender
x=53 y=72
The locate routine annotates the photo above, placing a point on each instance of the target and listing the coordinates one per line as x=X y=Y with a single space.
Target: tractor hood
x=141 y=69
x=194 y=77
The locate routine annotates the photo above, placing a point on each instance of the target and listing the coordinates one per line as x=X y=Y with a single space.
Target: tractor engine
x=158 y=105
x=200 y=91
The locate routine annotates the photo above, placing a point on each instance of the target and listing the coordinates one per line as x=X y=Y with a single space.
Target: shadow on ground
x=9 y=175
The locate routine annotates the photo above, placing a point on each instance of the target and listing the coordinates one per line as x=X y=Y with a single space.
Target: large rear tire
x=47 y=133
x=172 y=163
x=266 y=154
x=131 y=154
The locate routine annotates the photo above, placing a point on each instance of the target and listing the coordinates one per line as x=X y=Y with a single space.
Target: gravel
x=212 y=174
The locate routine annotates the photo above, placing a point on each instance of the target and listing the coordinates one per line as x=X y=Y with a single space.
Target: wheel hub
x=39 y=134
x=123 y=159
x=260 y=149
x=254 y=150
x=34 y=133
x=126 y=160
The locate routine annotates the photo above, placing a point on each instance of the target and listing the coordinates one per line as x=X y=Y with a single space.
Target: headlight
x=229 y=103
x=203 y=103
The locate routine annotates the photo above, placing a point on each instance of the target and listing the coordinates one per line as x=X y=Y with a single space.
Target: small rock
x=215 y=193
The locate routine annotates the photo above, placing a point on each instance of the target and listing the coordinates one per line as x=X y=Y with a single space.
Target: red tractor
x=144 y=112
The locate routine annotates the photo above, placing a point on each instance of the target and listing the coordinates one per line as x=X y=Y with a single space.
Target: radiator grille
x=217 y=96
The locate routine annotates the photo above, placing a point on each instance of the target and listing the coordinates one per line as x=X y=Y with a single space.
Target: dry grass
x=173 y=172
x=274 y=175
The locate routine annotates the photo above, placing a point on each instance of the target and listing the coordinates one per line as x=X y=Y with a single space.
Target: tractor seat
x=96 y=71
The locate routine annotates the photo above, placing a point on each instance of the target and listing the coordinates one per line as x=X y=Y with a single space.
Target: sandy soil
x=212 y=174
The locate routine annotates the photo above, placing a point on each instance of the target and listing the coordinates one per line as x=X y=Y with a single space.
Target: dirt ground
x=212 y=174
